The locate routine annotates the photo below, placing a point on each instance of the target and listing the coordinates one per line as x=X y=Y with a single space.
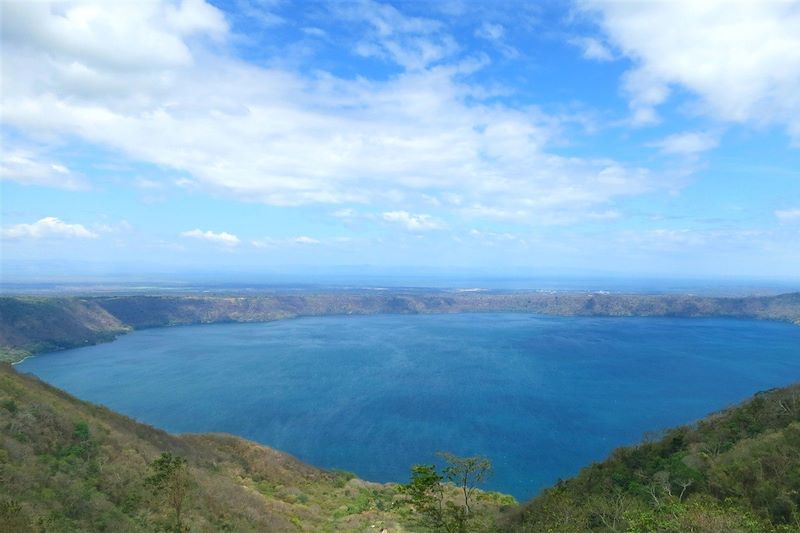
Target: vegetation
x=31 y=325
x=171 y=481
x=738 y=470
x=446 y=501
x=67 y=465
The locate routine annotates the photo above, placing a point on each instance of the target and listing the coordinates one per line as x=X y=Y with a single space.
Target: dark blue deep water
x=540 y=396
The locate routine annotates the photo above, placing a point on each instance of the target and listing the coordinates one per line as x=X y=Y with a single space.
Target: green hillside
x=734 y=471
x=68 y=465
x=32 y=325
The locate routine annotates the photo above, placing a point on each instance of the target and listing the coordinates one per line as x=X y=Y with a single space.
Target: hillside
x=68 y=465
x=74 y=466
x=32 y=325
x=734 y=471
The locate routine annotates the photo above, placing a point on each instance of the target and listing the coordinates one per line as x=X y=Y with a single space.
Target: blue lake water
x=540 y=396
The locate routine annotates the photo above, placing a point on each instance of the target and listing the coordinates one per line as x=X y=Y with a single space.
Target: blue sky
x=652 y=138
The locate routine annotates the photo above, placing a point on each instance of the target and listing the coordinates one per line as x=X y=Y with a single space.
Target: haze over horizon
x=649 y=139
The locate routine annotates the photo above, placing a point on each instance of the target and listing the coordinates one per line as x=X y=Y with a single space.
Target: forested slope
x=734 y=471
x=68 y=465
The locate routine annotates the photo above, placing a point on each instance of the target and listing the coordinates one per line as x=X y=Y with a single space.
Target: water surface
x=540 y=396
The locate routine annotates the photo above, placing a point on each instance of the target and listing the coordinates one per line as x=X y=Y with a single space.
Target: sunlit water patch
x=540 y=396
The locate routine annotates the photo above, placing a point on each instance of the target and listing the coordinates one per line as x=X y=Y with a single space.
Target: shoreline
x=280 y=319
x=676 y=323
x=15 y=363
x=29 y=326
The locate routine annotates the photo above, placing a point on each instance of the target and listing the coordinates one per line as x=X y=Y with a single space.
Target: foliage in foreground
x=449 y=501
x=67 y=465
x=735 y=471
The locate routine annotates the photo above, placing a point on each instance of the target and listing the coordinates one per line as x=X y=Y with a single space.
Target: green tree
x=427 y=492
x=426 y=495
x=466 y=473
x=171 y=481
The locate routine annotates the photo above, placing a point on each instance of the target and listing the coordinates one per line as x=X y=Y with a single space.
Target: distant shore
x=36 y=324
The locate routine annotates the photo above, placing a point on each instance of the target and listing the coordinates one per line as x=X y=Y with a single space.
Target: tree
x=171 y=481
x=466 y=473
x=427 y=491
x=426 y=495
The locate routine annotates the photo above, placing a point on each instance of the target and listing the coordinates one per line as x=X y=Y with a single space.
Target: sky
x=587 y=137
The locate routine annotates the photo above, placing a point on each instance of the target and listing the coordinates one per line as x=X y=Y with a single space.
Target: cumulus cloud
x=280 y=137
x=48 y=227
x=688 y=143
x=120 y=36
x=412 y=222
x=741 y=58
x=29 y=168
x=788 y=215
x=224 y=238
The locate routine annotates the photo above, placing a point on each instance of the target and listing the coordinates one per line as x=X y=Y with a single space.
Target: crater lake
x=539 y=396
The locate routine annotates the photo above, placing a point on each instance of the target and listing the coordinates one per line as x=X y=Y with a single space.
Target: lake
x=540 y=396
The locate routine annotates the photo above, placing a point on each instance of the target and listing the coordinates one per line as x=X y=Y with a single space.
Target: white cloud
x=493 y=236
x=345 y=213
x=412 y=222
x=412 y=42
x=495 y=33
x=269 y=242
x=29 y=168
x=741 y=58
x=592 y=48
x=148 y=184
x=478 y=210
x=260 y=12
x=119 y=36
x=270 y=135
x=305 y=240
x=788 y=215
x=48 y=227
x=316 y=32
x=688 y=143
x=122 y=226
x=223 y=237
